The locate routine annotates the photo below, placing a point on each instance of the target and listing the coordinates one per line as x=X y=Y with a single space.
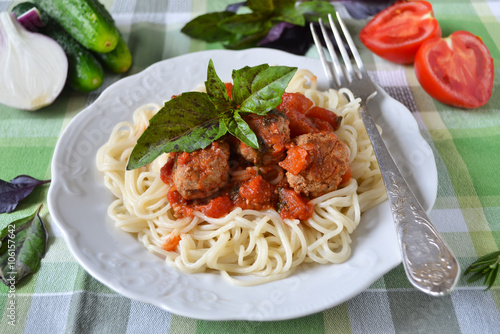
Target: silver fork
x=429 y=263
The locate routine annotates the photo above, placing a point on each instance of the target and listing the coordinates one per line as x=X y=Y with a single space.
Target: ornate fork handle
x=429 y=264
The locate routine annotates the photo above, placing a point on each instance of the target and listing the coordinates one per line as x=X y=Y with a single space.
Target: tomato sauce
x=256 y=192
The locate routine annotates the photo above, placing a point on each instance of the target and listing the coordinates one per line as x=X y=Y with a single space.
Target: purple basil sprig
x=13 y=192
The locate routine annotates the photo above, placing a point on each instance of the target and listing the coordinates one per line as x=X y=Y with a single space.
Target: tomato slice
x=457 y=70
x=397 y=32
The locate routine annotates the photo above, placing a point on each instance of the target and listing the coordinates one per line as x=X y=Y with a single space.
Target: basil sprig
x=256 y=26
x=194 y=120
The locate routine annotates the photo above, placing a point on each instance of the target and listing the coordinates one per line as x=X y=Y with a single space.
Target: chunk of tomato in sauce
x=322 y=125
x=257 y=193
x=297 y=159
x=171 y=244
x=299 y=123
x=325 y=115
x=217 y=207
x=293 y=206
x=295 y=101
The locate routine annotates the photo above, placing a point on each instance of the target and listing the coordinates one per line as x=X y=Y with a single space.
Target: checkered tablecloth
x=63 y=298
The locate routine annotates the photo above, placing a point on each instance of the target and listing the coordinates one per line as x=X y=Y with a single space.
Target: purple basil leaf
x=275 y=33
x=364 y=9
x=235 y=6
x=27 y=180
x=296 y=40
x=13 y=192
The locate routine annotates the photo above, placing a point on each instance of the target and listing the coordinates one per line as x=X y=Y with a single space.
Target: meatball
x=315 y=163
x=273 y=132
x=203 y=172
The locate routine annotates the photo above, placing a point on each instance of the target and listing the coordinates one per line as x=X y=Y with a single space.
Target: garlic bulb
x=33 y=67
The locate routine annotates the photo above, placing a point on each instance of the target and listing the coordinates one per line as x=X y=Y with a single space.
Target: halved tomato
x=397 y=32
x=457 y=70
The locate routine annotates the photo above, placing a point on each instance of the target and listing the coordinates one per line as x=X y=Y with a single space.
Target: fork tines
x=338 y=75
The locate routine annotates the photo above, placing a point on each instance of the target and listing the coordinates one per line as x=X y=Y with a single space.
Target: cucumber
x=87 y=21
x=119 y=60
x=85 y=73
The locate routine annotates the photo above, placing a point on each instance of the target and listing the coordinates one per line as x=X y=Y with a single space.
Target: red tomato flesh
x=217 y=207
x=397 y=32
x=294 y=206
x=325 y=115
x=297 y=159
x=457 y=70
x=295 y=101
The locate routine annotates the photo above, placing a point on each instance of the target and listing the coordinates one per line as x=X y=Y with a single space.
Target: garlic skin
x=33 y=67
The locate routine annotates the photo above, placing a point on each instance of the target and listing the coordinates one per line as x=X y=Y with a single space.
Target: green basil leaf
x=238 y=42
x=286 y=11
x=178 y=117
x=21 y=253
x=246 y=24
x=17 y=225
x=206 y=27
x=280 y=5
x=261 y=6
x=214 y=85
x=312 y=10
x=243 y=80
x=241 y=130
x=266 y=88
x=292 y=16
x=198 y=137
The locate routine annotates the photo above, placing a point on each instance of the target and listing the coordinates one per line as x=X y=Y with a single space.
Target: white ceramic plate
x=78 y=201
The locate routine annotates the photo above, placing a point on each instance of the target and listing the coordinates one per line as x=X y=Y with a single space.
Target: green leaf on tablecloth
x=17 y=225
x=486 y=267
x=23 y=248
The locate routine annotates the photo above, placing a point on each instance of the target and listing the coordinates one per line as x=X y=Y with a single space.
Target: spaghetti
x=247 y=247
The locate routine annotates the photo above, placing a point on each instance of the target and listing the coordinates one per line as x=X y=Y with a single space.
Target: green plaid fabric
x=62 y=298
